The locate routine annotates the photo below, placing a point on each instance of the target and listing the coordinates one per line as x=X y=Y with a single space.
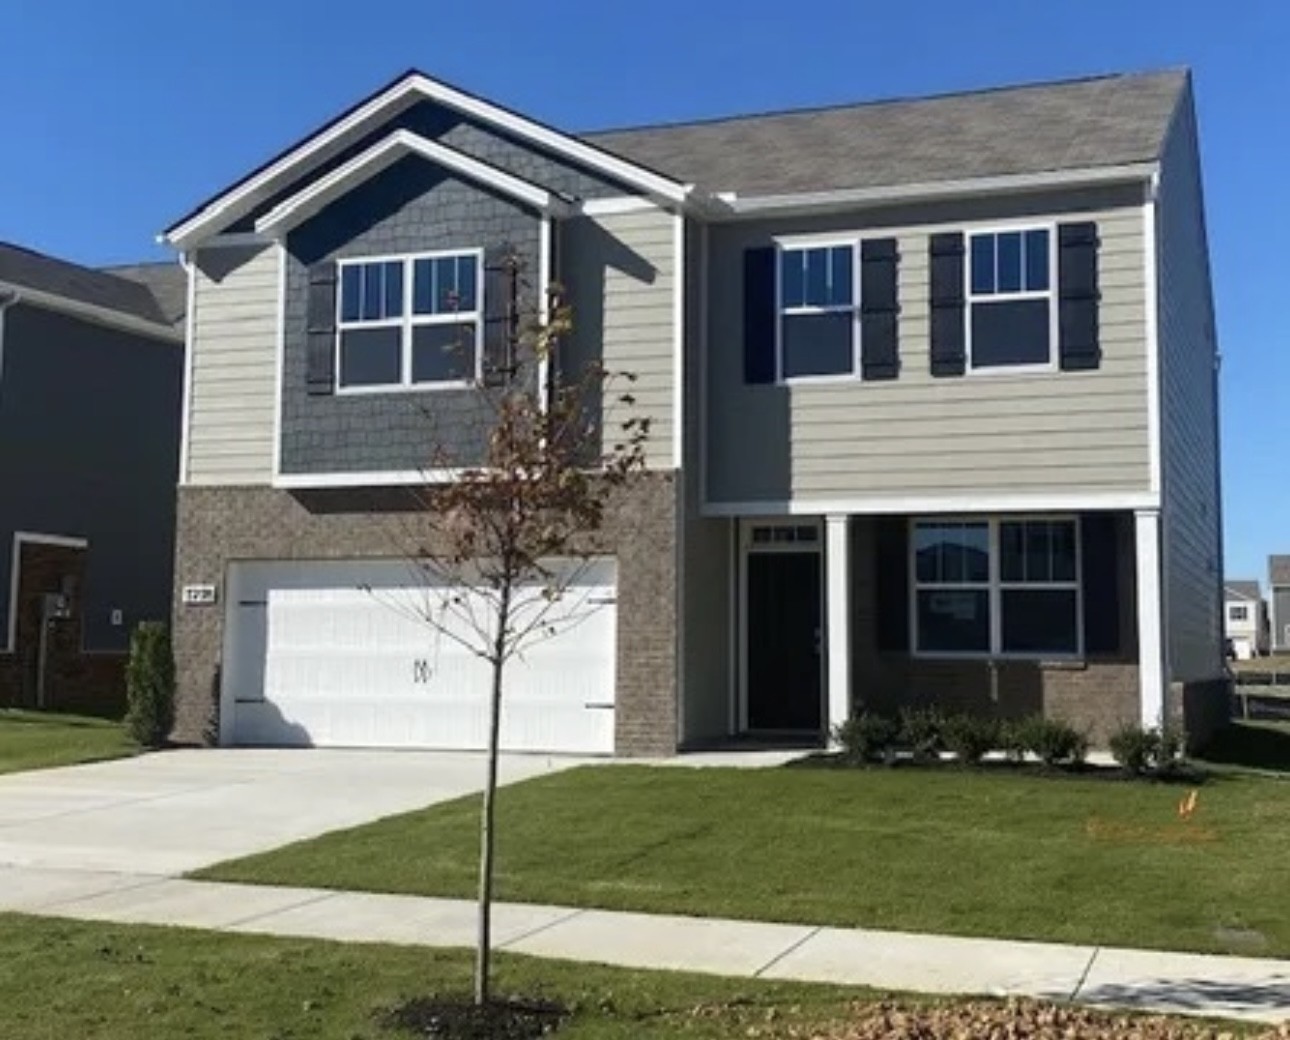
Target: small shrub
x=969 y=737
x=920 y=731
x=1054 y=742
x=1014 y=739
x=1142 y=751
x=867 y=737
x=150 y=685
x=1135 y=748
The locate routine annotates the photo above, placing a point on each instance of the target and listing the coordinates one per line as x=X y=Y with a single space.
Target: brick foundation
x=219 y=524
x=1199 y=709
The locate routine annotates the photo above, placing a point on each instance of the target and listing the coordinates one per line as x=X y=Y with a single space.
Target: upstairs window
x=409 y=321
x=1238 y=612
x=1010 y=299
x=817 y=303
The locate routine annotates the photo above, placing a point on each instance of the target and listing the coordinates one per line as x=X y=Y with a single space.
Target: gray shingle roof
x=166 y=280
x=1244 y=589
x=1105 y=121
x=1279 y=570
x=25 y=268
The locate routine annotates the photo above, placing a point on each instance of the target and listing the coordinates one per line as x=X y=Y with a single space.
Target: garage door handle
x=600 y=705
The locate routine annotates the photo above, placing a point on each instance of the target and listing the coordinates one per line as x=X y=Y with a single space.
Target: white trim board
x=678 y=341
x=412 y=88
x=376 y=478
x=305 y=203
x=21 y=538
x=966 y=503
x=190 y=325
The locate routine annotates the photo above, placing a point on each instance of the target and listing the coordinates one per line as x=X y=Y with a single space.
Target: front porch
x=1004 y=615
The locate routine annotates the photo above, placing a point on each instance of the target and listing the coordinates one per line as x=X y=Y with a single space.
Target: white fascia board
x=932 y=504
x=732 y=206
x=238 y=201
x=90 y=312
x=382 y=155
x=383 y=478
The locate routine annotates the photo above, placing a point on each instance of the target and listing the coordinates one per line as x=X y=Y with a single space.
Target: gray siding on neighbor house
x=89 y=448
x=412 y=207
x=1280 y=618
x=1049 y=432
x=1192 y=506
x=619 y=272
x=231 y=396
x=473 y=138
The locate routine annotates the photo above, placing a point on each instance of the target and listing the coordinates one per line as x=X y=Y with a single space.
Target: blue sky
x=121 y=116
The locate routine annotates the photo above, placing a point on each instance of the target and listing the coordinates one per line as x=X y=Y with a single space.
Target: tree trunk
x=483 y=954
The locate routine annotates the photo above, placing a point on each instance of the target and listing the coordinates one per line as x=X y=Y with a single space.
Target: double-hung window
x=1238 y=612
x=410 y=321
x=1010 y=298
x=997 y=587
x=818 y=329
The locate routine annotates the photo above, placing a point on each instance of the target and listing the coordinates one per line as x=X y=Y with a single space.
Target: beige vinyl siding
x=234 y=379
x=619 y=271
x=918 y=435
x=1192 y=508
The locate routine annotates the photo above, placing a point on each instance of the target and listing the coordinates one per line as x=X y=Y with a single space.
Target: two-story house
x=933 y=393
x=1246 y=619
x=91 y=377
x=1279 y=598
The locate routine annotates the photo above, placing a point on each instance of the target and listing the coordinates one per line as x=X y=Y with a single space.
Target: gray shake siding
x=1192 y=514
x=1048 y=432
x=410 y=208
x=89 y=436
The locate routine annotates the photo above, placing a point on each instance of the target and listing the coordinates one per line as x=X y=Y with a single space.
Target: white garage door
x=338 y=653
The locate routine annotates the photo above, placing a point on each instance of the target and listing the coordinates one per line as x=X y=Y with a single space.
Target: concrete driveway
x=176 y=811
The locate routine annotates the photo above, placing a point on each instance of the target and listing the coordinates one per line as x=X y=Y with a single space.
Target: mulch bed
x=438 y=1018
x=1185 y=773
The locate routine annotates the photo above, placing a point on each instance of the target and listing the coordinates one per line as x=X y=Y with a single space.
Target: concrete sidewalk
x=1227 y=987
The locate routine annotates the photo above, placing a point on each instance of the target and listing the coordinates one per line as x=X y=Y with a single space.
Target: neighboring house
x=934 y=401
x=91 y=379
x=1246 y=618
x=1279 y=597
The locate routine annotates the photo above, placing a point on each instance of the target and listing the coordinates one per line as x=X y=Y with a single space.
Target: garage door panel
x=340 y=653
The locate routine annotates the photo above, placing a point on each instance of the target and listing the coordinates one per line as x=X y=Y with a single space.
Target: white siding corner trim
x=1150 y=609
x=678 y=342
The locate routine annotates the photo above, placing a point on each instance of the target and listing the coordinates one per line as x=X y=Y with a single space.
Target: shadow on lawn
x=53 y=720
x=1213 y=996
x=1251 y=745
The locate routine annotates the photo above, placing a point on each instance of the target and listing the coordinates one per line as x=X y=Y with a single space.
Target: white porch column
x=837 y=600
x=1151 y=647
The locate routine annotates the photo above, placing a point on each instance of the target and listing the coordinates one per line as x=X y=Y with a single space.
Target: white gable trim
x=384 y=154
x=408 y=91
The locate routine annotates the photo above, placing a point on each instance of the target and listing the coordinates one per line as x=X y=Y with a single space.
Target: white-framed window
x=409 y=321
x=819 y=297
x=1238 y=612
x=1002 y=587
x=1012 y=314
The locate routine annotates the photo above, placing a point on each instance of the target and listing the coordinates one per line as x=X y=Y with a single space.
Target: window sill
x=1001 y=371
x=402 y=388
x=1048 y=662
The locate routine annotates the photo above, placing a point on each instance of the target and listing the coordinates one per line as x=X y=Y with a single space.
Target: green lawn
x=39 y=740
x=991 y=854
x=64 y=979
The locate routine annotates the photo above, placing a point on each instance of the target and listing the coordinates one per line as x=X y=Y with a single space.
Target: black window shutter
x=1078 y=296
x=760 y=314
x=949 y=342
x=891 y=568
x=1100 y=550
x=879 y=309
x=501 y=314
x=320 y=329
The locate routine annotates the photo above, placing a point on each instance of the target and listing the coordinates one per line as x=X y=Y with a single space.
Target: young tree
x=499 y=550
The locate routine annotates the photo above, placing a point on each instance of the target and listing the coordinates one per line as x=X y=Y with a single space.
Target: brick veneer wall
x=220 y=524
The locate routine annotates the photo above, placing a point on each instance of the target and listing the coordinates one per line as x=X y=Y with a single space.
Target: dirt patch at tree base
x=439 y=1018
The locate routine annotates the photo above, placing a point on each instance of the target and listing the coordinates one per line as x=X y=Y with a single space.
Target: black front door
x=783 y=641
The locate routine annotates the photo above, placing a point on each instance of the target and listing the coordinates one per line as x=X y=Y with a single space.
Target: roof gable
x=1279 y=570
x=408 y=90
x=1238 y=589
